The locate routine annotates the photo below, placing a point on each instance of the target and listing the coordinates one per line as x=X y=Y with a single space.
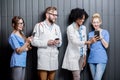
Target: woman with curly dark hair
x=75 y=55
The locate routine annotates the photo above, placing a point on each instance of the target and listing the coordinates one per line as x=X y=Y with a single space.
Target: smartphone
x=33 y=34
x=97 y=33
x=56 y=38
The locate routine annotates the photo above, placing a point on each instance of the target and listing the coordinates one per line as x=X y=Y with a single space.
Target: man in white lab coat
x=47 y=39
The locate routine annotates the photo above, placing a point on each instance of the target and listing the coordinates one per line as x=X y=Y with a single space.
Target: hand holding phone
x=56 y=41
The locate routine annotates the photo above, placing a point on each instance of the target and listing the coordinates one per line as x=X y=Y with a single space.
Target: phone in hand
x=97 y=33
x=56 y=38
x=33 y=34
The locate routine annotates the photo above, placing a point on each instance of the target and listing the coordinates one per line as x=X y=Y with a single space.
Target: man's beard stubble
x=51 y=21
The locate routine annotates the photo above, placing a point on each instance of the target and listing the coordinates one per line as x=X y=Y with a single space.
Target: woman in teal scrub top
x=100 y=41
x=20 y=44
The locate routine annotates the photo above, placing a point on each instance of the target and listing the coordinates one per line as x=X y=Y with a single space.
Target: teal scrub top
x=98 y=52
x=17 y=59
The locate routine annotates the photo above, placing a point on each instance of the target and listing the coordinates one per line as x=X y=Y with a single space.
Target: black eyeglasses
x=53 y=14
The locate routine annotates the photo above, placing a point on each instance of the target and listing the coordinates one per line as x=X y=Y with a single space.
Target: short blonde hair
x=96 y=15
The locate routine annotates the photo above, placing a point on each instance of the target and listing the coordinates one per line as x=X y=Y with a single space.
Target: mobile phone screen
x=56 y=38
x=97 y=33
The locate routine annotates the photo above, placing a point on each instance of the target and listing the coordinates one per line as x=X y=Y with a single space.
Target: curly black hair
x=77 y=13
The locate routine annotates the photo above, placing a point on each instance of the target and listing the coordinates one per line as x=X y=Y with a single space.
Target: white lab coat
x=72 y=54
x=47 y=55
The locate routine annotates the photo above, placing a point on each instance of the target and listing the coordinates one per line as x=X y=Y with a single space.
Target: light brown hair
x=50 y=8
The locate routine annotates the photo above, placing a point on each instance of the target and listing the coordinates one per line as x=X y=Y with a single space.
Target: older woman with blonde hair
x=100 y=41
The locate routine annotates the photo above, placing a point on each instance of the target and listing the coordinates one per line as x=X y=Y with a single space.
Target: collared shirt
x=82 y=38
x=49 y=26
